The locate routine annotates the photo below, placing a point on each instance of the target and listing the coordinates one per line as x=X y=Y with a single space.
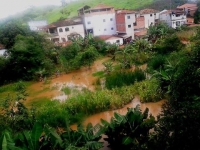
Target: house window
x=104 y=29
x=129 y=26
x=104 y=20
x=112 y=28
x=66 y=29
x=111 y=19
x=128 y=17
x=72 y=27
x=151 y=15
x=60 y=30
x=117 y=41
x=135 y=23
x=88 y=22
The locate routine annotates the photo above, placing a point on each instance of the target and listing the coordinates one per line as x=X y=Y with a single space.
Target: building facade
x=125 y=21
x=174 y=18
x=63 y=30
x=151 y=17
x=100 y=20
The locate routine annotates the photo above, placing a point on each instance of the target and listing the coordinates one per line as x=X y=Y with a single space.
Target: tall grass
x=119 y=79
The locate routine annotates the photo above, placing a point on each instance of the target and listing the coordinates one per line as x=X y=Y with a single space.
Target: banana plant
x=7 y=143
x=83 y=138
x=128 y=131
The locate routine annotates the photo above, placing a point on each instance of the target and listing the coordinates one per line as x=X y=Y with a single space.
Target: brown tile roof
x=175 y=11
x=141 y=33
x=125 y=11
x=106 y=37
x=148 y=11
x=1 y=46
x=187 y=5
x=66 y=22
x=101 y=6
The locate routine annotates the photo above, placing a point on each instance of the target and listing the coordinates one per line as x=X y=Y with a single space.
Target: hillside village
x=117 y=26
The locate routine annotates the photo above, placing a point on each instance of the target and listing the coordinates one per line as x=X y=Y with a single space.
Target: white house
x=62 y=31
x=37 y=25
x=2 y=52
x=125 y=20
x=174 y=18
x=151 y=16
x=100 y=20
x=112 y=39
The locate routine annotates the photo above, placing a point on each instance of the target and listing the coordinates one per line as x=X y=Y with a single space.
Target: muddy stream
x=83 y=78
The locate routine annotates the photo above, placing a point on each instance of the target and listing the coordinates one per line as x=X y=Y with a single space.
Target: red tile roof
x=148 y=11
x=141 y=33
x=187 y=5
x=106 y=37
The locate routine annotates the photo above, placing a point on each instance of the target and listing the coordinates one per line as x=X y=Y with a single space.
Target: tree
x=178 y=126
x=125 y=53
x=10 y=30
x=26 y=57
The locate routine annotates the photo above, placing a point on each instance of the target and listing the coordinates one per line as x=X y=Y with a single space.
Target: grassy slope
x=52 y=13
x=72 y=8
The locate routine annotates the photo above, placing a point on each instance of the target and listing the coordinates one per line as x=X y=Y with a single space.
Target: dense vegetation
x=172 y=72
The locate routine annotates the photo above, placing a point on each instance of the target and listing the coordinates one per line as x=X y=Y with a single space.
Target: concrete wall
x=129 y=20
x=101 y=23
x=114 y=41
x=173 y=20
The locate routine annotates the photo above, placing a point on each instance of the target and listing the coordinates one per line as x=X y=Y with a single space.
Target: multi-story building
x=100 y=20
x=151 y=16
x=190 y=9
x=174 y=18
x=125 y=20
x=62 y=31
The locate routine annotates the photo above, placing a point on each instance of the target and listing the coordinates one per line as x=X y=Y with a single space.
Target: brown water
x=81 y=78
x=154 y=109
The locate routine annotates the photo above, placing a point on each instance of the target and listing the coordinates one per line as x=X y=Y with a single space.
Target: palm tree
x=126 y=53
x=141 y=44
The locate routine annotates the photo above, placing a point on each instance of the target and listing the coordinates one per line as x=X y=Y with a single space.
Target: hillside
x=53 y=13
x=71 y=9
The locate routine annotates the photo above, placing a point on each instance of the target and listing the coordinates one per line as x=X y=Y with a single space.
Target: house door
x=90 y=31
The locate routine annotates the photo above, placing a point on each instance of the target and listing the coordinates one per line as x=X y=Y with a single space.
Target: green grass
x=56 y=14
x=37 y=102
x=66 y=90
x=99 y=74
